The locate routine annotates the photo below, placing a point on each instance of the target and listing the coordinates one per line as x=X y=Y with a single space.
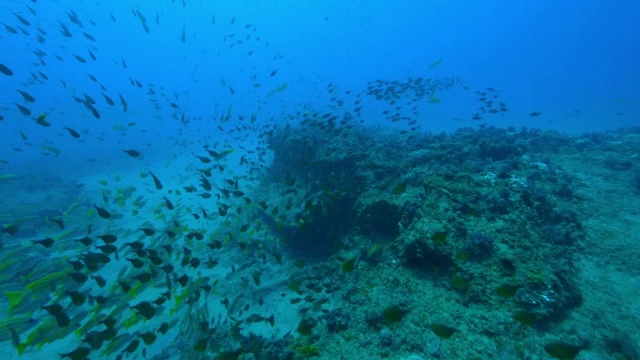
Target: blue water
x=223 y=73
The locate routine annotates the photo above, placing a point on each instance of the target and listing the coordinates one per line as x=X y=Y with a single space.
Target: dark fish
x=183 y=280
x=47 y=242
x=80 y=353
x=132 y=153
x=93 y=57
x=108 y=99
x=206 y=185
x=23 y=110
x=77 y=298
x=156 y=181
x=273 y=73
x=80 y=58
x=148 y=231
x=203 y=159
x=72 y=132
x=149 y=338
x=145 y=309
x=133 y=346
x=22 y=20
x=56 y=310
x=26 y=96
x=535 y=113
x=108 y=238
x=190 y=188
x=99 y=280
x=107 y=248
x=94 y=111
x=102 y=212
x=88 y=36
x=5 y=70
x=59 y=222
x=137 y=263
x=124 y=103
x=164 y=327
x=86 y=241
x=169 y=204
x=42 y=120
x=79 y=277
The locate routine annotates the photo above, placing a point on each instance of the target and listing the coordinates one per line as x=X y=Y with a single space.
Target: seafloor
x=363 y=243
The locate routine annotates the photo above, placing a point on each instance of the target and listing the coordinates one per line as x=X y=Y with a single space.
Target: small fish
x=145 y=309
x=42 y=120
x=47 y=242
x=148 y=231
x=203 y=159
x=273 y=73
x=81 y=353
x=86 y=241
x=26 y=96
x=169 y=204
x=22 y=20
x=102 y=212
x=99 y=280
x=56 y=310
x=108 y=99
x=136 y=263
x=535 y=113
x=79 y=277
x=156 y=181
x=108 y=238
x=5 y=70
x=58 y=222
x=73 y=133
x=23 y=110
x=132 y=153
x=124 y=103
x=80 y=58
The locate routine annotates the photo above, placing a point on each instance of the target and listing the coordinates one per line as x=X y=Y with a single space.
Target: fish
x=124 y=103
x=72 y=132
x=26 y=96
x=23 y=110
x=5 y=70
x=79 y=58
x=47 y=242
x=203 y=159
x=169 y=204
x=156 y=181
x=99 y=280
x=132 y=153
x=145 y=309
x=56 y=310
x=107 y=248
x=42 y=120
x=103 y=213
x=148 y=231
x=81 y=353
x=136 y=263
x=535 y=113
x=77 y=298
x=22 y=20
x=108 y=238
x=273 y=73
x=108 y=99
x=88 y=36
x=79 y=277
